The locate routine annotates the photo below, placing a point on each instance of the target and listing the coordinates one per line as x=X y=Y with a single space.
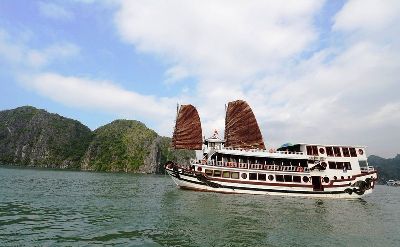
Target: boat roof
x=327 y=145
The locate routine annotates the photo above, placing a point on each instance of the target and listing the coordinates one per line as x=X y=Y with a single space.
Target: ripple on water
x=63 y=208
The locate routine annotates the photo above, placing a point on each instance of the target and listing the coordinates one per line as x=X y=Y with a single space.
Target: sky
x=313 y=71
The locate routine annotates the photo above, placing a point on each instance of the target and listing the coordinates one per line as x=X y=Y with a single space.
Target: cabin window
x=326 y=179
x=217 y=173
x=347 y=165
x=297 y=179
x=322 y=150
x=209 y=172
x=334 y=178
x=332 y=165
x=306 y=179
x=339 y=165
x=329 y=151
x=262 y=176
x=346 y=152
x=279 y=178
x=235 y=175
x=253 y=176
x=342 y=177
x=312 y=150
x=244 y=175
x=226 y=174
x=353 y=152
x=288 y=178
x=271 y=177
x=336 y=150
x=315 y=150
x=309 y=150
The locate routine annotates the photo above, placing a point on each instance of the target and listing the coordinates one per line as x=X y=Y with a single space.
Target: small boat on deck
x=240 y=163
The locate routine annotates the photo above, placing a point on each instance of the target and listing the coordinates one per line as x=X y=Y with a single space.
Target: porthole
x=348 y=177
x=326 y=179
x=270 y=177
x=244 y=175
x=305 y=179
x=342 y=177
x=322 y=150
x=334 y=178
x=360 y=151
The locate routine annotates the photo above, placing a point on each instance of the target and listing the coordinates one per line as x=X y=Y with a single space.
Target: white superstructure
x=297 y=169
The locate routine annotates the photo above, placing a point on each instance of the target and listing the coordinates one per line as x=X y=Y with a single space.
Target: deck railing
x=250 y=166
x=263 y=150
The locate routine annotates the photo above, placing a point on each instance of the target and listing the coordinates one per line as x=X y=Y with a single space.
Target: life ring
x=265 y=167
x=300 y=169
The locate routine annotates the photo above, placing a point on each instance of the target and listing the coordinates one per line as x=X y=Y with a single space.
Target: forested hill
x=387 y=168
x=33 y=137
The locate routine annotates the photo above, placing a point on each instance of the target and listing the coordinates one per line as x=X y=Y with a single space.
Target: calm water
x=64 y=208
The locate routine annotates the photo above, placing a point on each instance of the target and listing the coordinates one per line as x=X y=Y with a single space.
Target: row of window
x=256 y=176
x=263 y=176
x=339 y=165
x=264 y=161
x=224 y=174
x=333 y=151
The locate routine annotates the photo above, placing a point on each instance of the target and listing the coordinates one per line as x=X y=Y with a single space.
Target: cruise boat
x=240 y=162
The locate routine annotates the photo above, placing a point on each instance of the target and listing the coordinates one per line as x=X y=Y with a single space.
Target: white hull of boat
x=192 y=183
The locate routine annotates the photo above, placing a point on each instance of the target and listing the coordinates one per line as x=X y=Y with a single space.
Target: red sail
x=187 y=133
x=241 y=127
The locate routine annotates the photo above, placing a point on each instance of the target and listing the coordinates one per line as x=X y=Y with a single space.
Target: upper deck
x=289 y=156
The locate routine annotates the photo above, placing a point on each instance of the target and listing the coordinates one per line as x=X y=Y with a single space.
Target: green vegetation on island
x=33 y=137
x=387 y=168
x=36 y=138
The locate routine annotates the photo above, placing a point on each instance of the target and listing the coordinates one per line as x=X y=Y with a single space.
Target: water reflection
x=72 y=208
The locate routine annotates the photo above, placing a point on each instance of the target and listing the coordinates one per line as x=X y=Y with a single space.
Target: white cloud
x=101 y=95
x=9 y=51
x=175 y=74
x=219 y=39
x=367 y=15
x=54 y=11
x=40 y=58
x=18 y=53
x=344 y=93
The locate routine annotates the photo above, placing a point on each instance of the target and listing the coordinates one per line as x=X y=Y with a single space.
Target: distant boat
x=393 y=183
x=240 y=163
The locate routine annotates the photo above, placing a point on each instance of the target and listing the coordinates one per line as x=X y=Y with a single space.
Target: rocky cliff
x=34 y=137
x=387 y=168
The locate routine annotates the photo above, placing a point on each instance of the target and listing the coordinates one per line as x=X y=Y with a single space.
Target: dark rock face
x=387 y=168
x=129 y=146
x=33 y=137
